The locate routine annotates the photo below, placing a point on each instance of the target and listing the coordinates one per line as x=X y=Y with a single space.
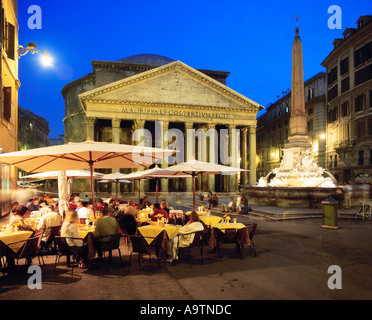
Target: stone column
x=233 y=156
x=115 y=124
x=252 y=155
x=243 y=174
x=90 y=122
x=164 y=182
x=189 y=143
x=202 y=180
x=138 y=125
x=213 y=153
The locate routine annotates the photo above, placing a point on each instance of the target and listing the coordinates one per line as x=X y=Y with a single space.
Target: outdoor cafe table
x=158 y=235
x=208 y=220
x=14 y=236
x=217 y=229
x=86 y=233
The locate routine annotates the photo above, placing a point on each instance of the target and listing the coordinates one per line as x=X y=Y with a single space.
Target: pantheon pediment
x=175 y=84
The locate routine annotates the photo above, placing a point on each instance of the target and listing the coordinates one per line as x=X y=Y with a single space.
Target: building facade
x=9 y=97
x=273 y=126
x=161 y=96
x=33 y=130
x=349 y=103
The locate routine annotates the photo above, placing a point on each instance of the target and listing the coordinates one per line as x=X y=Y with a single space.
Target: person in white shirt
x=185 y=235
x=84 y=212
x=48 y=219
x=230 y=207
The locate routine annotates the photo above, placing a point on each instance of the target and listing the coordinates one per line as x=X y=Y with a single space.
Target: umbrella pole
x=139 y=192
x=117 y=190
x=193 y=191
x=157 y=189
x=92 y=187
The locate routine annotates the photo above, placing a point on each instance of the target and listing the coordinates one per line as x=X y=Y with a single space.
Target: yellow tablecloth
x=153 y=231
x=83 y=231
x=210 y=220
x=200 y=213
x=9 y=237
x=231 y=225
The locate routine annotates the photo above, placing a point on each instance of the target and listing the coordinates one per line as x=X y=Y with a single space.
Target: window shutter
x=7 y=109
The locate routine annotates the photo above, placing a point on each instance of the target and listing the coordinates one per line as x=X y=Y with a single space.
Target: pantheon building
x=174 y=105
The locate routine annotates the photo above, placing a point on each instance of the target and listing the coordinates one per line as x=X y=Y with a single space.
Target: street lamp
x=31 y=47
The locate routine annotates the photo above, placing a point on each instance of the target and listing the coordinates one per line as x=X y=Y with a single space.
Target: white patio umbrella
x=193 y=168
x=71 y=174
x=116 y=177
x=85 y=155
x=62 y=192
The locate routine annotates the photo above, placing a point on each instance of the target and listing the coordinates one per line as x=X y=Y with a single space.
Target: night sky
x=251 y=39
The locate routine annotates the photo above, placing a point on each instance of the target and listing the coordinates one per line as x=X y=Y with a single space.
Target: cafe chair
x=29 y=250
x=229 y=236
x=50 y=242
x=63 y=249
x=4 y=252
x=112 y=244
x=140 y=246
x=197 y=242
x=252 y=230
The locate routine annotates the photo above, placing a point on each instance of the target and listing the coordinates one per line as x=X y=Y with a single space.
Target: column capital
x=211 y=126
x=115 y=123
x=138 y=124
x=90 y=121
x=231 y=127
x=244 y=130
x=189 y=125
x=252 y=129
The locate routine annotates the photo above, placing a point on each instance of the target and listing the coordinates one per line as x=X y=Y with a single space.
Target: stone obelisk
x=297 y=123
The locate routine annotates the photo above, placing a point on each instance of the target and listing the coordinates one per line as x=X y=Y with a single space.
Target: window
x=345 y=85
x=10 y=47
x=335 y=161
x=370 y=126
x=310 y=125
x=332 y=115
x=370 y=99
x=7 y=103
x=332 y=93
x=370 y=156
x=360 y=129
x=310 y=111
x=345 y=108
x=344 y=66
x=359 y=103
x=363 y=75
x=361 y=157
x=330 y=161
x=332 y=75
x=310 y=94
x=363 y=54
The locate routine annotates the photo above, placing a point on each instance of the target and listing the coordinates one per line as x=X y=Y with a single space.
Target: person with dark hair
x=18 y=219
x=83 y=211
x=185 y=235
x=32 y=205
x=159 y=209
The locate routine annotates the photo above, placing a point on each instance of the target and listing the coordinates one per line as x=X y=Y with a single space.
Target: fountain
x=298 y=182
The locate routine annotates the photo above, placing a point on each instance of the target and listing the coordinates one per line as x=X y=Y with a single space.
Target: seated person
x=18 y=218
x=32 y=205
x=112 y=206
x=164 y=205
x=48 y=219
x=158 y=209
x=70 y=229
x=99 y=205
x=83 y=211
x=244 y=208
x=230 y=207
x=186 y=235
x=107 y=225
x=145 y=202
x=71 y=204
x=213 y=201
x=13 y=208
x=131 y=209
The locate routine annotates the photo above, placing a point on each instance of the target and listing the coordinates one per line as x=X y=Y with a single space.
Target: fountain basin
x=290 y=197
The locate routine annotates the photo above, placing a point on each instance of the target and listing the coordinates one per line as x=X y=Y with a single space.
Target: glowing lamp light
x=46 y=60
x=322 y=136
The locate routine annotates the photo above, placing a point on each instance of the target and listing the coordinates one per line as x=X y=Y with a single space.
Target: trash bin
x=329 y=210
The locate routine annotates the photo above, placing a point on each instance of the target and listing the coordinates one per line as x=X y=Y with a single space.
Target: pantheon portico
x=156 y=101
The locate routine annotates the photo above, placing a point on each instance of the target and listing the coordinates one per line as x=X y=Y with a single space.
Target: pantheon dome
x=147 y=59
